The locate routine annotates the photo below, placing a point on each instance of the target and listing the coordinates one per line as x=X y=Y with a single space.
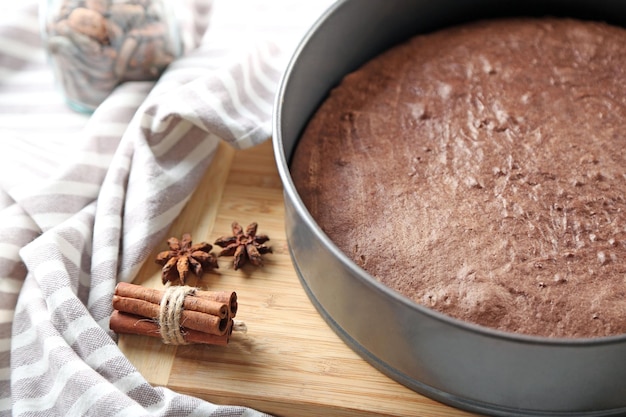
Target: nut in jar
x=94 y=45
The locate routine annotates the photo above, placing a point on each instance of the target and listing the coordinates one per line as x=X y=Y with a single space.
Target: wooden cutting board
x=289 y=362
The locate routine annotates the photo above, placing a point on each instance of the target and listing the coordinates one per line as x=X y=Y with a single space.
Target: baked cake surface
x=481 y=171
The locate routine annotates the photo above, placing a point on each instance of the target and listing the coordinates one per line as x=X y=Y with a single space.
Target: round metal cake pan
x=460 y=364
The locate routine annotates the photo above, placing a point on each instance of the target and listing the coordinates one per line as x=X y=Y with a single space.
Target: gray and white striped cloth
x=84 y=199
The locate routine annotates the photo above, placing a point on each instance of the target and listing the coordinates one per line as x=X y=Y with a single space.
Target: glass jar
x=94 y=45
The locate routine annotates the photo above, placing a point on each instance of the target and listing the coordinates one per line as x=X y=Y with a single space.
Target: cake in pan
x=481 y=171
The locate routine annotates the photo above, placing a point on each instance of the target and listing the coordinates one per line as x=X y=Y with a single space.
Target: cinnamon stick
x=121 y=322
x=218 y=303
x=228 y=298
x=195 y=320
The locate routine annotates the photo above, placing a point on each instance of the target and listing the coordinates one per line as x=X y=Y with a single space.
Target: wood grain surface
x=289 y=362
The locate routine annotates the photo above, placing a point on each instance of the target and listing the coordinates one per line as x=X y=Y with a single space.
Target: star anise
x=244 y=246
x=184 y=256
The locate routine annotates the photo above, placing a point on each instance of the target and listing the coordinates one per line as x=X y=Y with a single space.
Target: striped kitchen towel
x=85 y=198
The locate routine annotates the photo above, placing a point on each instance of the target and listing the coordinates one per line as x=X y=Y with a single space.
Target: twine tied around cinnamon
x=179 y=315
x=170 y=313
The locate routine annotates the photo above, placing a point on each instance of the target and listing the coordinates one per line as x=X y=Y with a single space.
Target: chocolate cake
x=480 y=170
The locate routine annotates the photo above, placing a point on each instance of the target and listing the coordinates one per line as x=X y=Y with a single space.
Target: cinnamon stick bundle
x=190 y=319
x=124 y=323
x=196 y=316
